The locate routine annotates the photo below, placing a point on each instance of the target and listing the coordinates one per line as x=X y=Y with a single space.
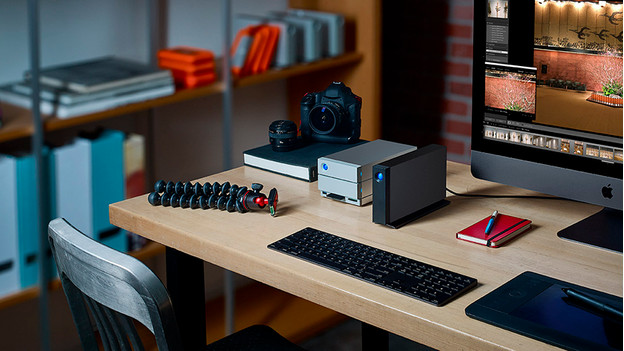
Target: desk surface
x=238 y=242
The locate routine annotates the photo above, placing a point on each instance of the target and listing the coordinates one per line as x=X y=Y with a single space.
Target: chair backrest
x=114 y=287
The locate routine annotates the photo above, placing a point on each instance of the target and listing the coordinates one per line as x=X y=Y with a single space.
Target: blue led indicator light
x=380 y=176
x=325 y=166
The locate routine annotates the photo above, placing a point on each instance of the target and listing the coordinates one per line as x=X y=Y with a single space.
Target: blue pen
x=490 y=224
x=596 y=305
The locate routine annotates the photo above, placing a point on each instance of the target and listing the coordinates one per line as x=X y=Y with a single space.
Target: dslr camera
x=332 y=115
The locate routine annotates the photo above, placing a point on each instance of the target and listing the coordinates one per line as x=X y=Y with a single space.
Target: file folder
x=89 y=177
x=9 y=276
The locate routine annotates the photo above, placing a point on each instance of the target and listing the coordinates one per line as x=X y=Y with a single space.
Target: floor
x=346 y=336
x=569 y=109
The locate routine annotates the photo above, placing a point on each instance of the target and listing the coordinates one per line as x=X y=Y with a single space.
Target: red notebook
x=505 y=228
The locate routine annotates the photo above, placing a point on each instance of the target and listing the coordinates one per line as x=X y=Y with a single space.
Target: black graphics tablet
x=537 y=306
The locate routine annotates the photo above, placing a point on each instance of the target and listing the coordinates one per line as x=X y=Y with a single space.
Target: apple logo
x=607 y=191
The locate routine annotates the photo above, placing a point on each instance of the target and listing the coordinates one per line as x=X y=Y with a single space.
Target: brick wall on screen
x=427 y=74
x=457 y=106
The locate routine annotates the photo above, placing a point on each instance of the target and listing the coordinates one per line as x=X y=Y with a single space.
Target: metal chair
x=113 y=289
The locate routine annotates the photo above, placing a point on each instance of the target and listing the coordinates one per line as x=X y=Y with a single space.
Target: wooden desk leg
x=185 y=283
x=374 y=339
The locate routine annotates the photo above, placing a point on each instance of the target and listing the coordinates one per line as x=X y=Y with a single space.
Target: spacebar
x=321 y=261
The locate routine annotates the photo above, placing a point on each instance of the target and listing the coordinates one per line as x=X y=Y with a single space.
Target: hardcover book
x=186 y=54
x=8 y=95
x=98 y=74
x=68 y=111
x=505 y=228
x=300 y=163
x=68 y=97
x=61 y=110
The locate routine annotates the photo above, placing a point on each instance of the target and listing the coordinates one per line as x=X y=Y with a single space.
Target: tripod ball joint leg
x=222 y=196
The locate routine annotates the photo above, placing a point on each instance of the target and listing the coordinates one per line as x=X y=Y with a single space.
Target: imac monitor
x=547 y=104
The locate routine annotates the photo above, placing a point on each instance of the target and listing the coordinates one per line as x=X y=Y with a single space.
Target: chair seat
x=254 y=338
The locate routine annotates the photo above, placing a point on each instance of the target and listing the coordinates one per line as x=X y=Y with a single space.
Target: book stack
x=303 y=36
x=90 y=86
x=191 y=67
x=253 y=49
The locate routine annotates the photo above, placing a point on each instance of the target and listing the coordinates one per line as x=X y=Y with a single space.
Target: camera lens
x=323 y=119
x=283 y=135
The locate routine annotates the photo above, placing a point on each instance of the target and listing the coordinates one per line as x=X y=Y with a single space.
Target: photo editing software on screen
x=569 y=99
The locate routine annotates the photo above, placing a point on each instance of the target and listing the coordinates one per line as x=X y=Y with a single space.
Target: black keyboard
x=419 y=280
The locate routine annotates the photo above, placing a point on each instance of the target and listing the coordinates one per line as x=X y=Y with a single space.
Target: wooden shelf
x=150 y=250
x=18 y=121
x=276 y=74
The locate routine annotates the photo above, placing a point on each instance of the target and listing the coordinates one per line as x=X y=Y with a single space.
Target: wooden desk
x=238 y=242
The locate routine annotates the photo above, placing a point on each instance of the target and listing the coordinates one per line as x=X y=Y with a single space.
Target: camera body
x=332 y=115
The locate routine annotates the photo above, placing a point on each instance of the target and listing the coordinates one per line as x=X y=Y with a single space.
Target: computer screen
x=547 y=104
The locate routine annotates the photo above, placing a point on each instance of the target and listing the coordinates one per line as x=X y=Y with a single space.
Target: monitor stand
x=603 y=229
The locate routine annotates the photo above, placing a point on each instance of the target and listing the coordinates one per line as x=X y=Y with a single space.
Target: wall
x=427 y=74
x=187 y=135
x=68 y=33
x=587 y=69
x=505 y=92
x=457 y=111
x=579 y=25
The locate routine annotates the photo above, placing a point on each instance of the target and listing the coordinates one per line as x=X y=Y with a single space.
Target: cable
x=506 y=196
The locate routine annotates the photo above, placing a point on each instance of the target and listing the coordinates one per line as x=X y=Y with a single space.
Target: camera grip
x=307 y=102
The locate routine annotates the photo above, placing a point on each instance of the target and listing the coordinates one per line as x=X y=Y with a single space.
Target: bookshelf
x=18 y=124
x=18 y=121
x=356 y=65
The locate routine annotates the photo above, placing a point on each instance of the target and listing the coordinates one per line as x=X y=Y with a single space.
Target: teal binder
x=28 y=217
x=51 y=173
x=19 y=217
x=107 y=184
x=27 y=220
x=89 y=177
x=115 y=238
